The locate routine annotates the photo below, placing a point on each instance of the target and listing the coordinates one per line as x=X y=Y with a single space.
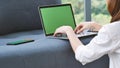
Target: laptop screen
x=55 y=16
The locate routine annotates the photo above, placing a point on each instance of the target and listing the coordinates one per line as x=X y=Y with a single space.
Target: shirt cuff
x=78 y=53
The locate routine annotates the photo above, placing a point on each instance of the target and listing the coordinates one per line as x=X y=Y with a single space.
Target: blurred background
x=98 y=9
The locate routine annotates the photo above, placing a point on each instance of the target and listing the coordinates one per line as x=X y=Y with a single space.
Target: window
x=78 y=9
x=95 y=10
x=99 y=12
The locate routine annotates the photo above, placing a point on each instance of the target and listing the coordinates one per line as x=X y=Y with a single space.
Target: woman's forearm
x=75 y=42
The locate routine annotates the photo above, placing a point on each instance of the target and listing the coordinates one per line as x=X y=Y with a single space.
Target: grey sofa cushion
x=42 y=53
x=21 y=15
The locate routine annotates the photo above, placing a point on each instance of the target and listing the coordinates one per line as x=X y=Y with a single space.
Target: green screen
x=56 y=16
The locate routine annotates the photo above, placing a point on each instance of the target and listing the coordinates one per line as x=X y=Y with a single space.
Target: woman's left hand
x=63 y=30
x=75 y=42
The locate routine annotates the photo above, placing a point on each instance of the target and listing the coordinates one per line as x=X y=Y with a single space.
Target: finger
x=79 y=31
x=55 y=34
x=77 y=28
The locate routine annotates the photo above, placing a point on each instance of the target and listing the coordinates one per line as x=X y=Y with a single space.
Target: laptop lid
x=55 y=16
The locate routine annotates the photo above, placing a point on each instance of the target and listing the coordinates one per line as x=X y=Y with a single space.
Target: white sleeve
x=100 y=45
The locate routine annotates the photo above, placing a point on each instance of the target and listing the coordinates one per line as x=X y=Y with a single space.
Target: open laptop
x=54 y=16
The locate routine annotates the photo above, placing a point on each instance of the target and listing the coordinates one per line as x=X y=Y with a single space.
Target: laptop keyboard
x=61 y=35
x=84 y=33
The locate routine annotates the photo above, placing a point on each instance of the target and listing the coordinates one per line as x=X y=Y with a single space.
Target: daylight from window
x=78 y=9
x=99 y=10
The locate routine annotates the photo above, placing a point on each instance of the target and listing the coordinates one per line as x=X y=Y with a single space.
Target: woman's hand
x=75 y=42
x=63 y=30
x=81 y=27
x=92 y=26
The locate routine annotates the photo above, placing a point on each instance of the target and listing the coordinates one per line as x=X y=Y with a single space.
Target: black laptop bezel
x=50 y=6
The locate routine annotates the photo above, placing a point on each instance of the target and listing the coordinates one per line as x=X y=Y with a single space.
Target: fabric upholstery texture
x=21 y=15
x=42 y=53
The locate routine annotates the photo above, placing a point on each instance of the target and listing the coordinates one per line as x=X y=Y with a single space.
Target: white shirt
x=106 y=42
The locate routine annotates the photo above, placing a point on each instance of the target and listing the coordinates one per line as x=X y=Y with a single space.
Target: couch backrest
x=21 y=15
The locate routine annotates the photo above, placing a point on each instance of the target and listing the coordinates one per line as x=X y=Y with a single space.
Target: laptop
x=54 y=16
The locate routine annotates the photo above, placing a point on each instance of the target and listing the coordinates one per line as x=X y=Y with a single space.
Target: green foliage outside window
x=99 y=10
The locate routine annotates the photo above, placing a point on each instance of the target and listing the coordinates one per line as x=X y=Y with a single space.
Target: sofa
x=19 y=19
